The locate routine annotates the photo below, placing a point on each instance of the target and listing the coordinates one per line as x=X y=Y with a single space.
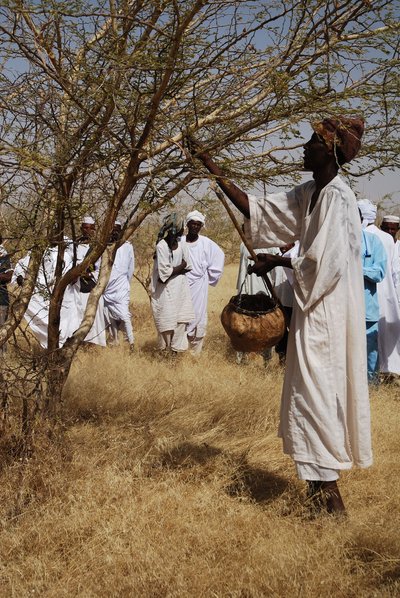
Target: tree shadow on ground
x=258 y=485
x=242 y=479
x=391 y=576
x=188 y=454
x=149 y=347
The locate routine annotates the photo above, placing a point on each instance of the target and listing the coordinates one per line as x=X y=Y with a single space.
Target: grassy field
x=169 y=480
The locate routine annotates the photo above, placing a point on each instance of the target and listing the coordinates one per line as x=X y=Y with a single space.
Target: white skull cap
x=88 y=220
x=196 y=216
x=391 y=218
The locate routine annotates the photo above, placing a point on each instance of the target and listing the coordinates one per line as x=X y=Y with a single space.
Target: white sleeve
x=164 y=262
x=276 y=218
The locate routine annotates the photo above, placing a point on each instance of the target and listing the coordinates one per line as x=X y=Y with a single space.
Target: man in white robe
x=77 y=294
x=389 y=309
x=171 y=301
x=118 y=290
x=207 y=260
x=391 y=225
x=37 y=312
x=325 y=416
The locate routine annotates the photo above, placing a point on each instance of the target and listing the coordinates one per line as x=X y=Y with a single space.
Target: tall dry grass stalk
x=169 y=480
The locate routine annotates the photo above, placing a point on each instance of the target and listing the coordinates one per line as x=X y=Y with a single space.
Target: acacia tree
x=97 y=98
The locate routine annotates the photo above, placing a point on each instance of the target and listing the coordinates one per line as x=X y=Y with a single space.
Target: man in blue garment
x=374 y=260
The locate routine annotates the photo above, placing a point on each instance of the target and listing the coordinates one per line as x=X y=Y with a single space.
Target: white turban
x=88 y=220
x=118 y=223
x=368 y=211
x=390 y=218
x=196 y=216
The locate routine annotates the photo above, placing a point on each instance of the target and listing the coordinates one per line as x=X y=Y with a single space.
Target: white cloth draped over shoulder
x=207 y=261
x=171 y=301
x=389 y=310
x=325 y=416
x=117 y=293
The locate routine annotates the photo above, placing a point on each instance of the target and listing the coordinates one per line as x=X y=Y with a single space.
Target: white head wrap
x=88 y=220
x=196 y=216
x=368 y=211
x=390 y=218
x=118 y=223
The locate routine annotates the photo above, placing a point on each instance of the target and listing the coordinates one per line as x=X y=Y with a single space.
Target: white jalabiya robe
x=207 y=266
x=37 y=312
x=117 y=293
x=251 y=284
x=282 y=279
x=75 y=302
x=389 y=309
x=325 y=416
x=171 y=301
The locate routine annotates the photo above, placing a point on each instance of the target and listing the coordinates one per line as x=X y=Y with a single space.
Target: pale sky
x=380 y=185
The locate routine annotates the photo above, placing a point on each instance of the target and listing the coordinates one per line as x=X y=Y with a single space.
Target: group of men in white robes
x=184 y=268
x=112 y=311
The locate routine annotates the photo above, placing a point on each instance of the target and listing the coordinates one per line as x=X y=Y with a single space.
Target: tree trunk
x=58 y=366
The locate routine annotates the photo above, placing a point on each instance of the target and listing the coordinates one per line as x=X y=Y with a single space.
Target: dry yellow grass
x=169 y=480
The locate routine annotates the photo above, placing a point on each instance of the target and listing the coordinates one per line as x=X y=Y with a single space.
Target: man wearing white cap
x=207 y=267
x=391 y=225
x=77 y=294
x=117 y=293
x=389 y=310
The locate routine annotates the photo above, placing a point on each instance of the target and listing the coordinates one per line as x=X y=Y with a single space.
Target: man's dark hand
x=196 y=150
x=264 y=264
x=192 y=144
